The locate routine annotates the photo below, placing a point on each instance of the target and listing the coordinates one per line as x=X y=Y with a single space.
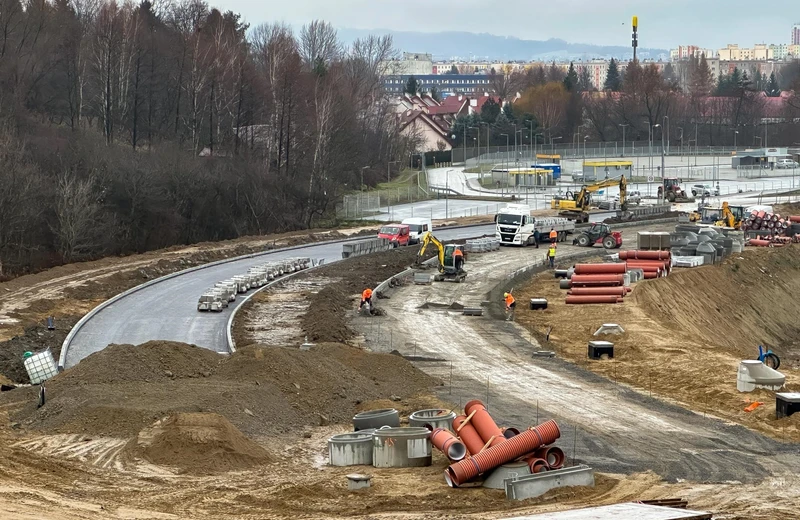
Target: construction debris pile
x=765 y=229
x=218 y=297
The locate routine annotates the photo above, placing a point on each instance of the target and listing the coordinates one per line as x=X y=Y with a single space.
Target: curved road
x=168 y=310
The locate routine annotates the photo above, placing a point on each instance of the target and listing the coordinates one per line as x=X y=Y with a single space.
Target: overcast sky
x=662 y=23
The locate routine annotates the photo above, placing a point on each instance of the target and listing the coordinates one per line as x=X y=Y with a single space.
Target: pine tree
x=613 y=79
x=435 y=94
x=773 y=90
x=412 y=86
x=571 y=81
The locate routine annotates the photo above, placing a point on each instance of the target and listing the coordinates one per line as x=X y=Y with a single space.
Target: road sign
x=650 y=178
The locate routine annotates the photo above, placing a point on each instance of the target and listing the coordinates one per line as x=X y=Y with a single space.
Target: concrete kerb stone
x=91 y=314
x=531 y=486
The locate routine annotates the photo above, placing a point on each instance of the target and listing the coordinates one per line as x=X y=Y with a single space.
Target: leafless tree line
x=126 y=127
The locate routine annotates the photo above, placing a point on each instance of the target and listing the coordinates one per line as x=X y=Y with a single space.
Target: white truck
x=417 y=227
x=210 y=302
x=514 y=225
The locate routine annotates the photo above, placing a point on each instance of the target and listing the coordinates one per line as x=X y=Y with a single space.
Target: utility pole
x=623 y=138
x=388 y=170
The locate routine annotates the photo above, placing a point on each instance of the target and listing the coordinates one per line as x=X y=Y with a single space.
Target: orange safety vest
x=553 y=234
x=458 y=252
x=509 y=300
x=366 y=294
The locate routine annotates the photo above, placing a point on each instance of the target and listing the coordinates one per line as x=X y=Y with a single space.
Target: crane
x=577 y=206
x=449 y=266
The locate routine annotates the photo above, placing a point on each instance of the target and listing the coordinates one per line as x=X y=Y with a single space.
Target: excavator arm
x=428 y=239
x=583 y=198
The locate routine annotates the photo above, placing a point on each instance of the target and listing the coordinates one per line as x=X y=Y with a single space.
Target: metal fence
x=358 y=205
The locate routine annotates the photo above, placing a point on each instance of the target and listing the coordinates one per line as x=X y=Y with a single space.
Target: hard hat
x=505 y=295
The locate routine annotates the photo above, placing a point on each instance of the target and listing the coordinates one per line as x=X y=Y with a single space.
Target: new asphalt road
x=168 y=310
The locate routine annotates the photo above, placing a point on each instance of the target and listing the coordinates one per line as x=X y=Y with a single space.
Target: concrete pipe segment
x=644 y=255
x=597 y=280
x=599 y=291
x=600 y=269
x=432 y=419
x=448 y=444
x=350 y=449
x=514 y=448
x=401 y=448
x=564 y=284
x=589 y=300
x=376 y=419
x=468 y=434
x=490 y=433
x=553 y=455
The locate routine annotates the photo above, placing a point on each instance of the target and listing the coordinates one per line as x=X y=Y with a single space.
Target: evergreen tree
x=773 y=90
x=669 y=74
x=435 y=94
x=584 y=80
x=489 y=111
x=613 y=78
x=412 y=86
x=701 y=82
x=571 y=81
x=453 y=70
x=508 y=111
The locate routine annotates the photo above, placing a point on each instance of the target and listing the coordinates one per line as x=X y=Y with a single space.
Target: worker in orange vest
x=553 y=235
x=458 y=259
x=510 y=304
x=366 y=297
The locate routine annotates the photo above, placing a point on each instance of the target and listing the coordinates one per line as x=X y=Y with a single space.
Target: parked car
x=397 y=234
x=786 y=164
x=210 y=302
x=698 y=190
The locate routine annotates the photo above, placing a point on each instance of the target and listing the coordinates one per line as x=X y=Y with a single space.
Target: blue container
x=555 y=168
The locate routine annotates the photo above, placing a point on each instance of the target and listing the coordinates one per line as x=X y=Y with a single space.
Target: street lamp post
x=553 y=145
x=585 y=137
x=362 y=176
x=533 y=159
x=650 y=136
x=666 y=125
x=623 y=138
x=681 y=150
x=735 y=135
x=515 y=139
x=389 y=171
x=507 y=158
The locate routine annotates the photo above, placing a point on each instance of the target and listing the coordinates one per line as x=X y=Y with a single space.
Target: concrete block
x=356 y=481
x=598 y=349
x=609 y=328
x=754 y=374
x=531 y=486
x=496 y=478
x=473 y=311
x=423 y=278
x=786 y=404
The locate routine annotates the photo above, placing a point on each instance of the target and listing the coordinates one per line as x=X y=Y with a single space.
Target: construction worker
x=458 y=259
x=553 y=236
x=551 y=255
x=366 y=297
x=510 y=304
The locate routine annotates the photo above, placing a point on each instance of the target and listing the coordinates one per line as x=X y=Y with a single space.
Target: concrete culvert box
x=401 y=448
x=350 y=449
x=376 y=419
x=433 y=418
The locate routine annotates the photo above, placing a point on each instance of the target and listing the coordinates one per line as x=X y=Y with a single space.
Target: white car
x=786 y=164
x=698 y=190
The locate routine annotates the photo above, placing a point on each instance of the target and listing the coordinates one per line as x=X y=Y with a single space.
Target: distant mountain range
x=465 y=45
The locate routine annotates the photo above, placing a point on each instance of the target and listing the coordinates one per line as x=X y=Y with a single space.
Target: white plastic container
x=41 y=367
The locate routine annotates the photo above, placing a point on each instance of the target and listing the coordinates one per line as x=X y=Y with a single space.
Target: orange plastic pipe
x=514 y=448
x=600 y=269
x=651 y=276
x=584 y=300
x=599 y=291
x=795 y=219
x=580 y=280
x=448 y=444
x=490 y=433
x=536 y=464
x=759 y=243
x=645 y=255
x=552 y=454
x=468 y=435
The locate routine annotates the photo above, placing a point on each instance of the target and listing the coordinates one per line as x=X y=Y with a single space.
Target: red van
x=397 y=234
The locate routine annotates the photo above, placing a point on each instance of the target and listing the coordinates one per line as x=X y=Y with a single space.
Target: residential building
x=761 y=51
x=796 y=34
x=794 y=51
x=444 y=83
x=683 y=52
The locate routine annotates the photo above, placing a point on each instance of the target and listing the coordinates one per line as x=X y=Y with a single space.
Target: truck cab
x=514 y=225
x=396 y=234
x=417 y=228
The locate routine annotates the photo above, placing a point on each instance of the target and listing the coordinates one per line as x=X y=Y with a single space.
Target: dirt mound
x=262 y=391
x=149 y=362
x=325 y=319
x=750 y=299
x=198 y=443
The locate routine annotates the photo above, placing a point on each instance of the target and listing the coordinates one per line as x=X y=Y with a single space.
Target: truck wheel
x=609 y=243
x=583 y=241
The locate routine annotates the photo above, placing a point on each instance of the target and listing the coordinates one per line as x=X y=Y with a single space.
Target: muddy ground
x=686 y=334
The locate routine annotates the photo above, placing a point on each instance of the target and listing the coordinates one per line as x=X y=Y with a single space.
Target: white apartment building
x=411 y=63
x=759 y=52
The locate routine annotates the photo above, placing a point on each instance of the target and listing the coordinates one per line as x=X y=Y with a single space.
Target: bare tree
x=319 y=45
x=77 y=216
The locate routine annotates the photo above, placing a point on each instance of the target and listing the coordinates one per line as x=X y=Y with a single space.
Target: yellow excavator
x=725 y=216
x=451 y=259
x=576 y=206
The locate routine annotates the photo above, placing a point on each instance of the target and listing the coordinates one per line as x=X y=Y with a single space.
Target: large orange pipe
x=468 y=434
x=645 y=255
x=536 y=464
x=600 y=269
x=599 y=291
x=513 y=448
x=651 y=276
x=759 y=243
x=448 y=444
x=795 y=219
x=581 y=280
x=657 y=263
x=584 y=300
x=490 y=433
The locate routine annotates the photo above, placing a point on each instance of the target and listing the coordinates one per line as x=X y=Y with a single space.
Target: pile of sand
x=198 y=443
